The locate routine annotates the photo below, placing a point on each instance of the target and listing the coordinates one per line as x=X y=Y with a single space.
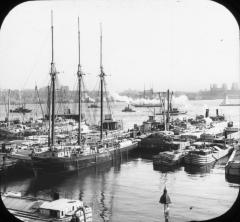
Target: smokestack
x=207 y=113
x=216 y=112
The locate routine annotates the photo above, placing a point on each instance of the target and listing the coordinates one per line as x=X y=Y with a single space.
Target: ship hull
x=16 y=167
x=58 y=165
x=201 y=160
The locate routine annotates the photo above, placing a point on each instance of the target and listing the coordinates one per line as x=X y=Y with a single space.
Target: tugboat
x=128 y=109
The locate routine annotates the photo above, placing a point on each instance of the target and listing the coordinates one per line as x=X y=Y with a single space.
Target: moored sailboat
x=88 y=151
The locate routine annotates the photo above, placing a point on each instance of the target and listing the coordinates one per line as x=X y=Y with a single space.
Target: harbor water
x=129 y=188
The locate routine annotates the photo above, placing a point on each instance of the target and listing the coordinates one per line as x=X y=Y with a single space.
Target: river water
x=129 y=188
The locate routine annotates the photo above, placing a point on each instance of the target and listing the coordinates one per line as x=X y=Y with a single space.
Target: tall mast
x=53 y=78
x=79 y=75
x=49 y=113
x=8 y=110
x=102 y=74
x=168 y=106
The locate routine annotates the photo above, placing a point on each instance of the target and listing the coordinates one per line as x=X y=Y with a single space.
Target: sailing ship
x=88 y=151
x=225 y=102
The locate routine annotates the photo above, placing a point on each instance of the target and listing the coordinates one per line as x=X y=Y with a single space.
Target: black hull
x=61 y=165
x=155 y=145
x=18 y=167
x=66 y=116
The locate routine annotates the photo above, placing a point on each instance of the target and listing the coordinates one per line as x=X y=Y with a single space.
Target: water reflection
x=199 y=170
x=125 y=189
x=166 y=169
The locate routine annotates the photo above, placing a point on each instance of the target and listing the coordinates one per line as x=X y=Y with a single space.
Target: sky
x=181 y=45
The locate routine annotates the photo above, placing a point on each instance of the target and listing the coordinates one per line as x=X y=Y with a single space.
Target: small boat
x=146 y=105
x=93 y=105
x=128 y=109
x=174 y=112
x=34 y=209
x=20 y=110
x=169 y=158
x=205 y=155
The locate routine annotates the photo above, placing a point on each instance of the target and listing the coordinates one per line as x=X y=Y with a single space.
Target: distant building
x=224 y=87
x=235 y=86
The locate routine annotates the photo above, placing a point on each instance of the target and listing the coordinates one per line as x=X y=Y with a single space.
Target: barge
x=206 y=154
x=232 y=168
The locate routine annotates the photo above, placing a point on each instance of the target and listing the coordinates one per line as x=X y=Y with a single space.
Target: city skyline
x=180 y=45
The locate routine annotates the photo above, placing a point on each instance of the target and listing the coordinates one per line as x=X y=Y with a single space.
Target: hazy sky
x=175 y=44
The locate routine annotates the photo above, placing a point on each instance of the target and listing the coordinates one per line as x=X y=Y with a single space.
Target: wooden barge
x=232 y=168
